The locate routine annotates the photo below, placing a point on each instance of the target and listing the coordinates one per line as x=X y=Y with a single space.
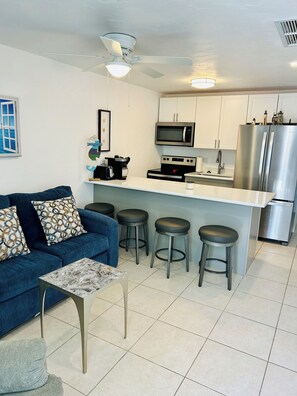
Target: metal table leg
x=124 y=282
x=83 y=306
x=42 y=291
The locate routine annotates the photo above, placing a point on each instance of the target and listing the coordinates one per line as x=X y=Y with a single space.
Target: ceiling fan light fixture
x=203 y=83
x=118 y=69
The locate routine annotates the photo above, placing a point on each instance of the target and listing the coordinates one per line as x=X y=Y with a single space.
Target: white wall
x=58 y=113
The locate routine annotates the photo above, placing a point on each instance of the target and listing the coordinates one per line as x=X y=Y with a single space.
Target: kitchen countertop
x=210 y=193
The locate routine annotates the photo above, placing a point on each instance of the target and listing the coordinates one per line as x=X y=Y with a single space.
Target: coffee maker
x=119 y=165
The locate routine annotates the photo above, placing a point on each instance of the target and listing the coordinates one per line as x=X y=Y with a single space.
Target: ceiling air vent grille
x=288 y=32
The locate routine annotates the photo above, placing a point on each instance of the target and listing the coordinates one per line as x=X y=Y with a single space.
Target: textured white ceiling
x=234 y=41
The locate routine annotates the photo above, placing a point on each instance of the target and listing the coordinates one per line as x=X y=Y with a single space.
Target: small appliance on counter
x=119 y=165
x=103 y=172
x=173 y=168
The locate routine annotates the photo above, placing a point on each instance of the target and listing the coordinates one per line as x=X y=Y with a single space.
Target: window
x=9 y=141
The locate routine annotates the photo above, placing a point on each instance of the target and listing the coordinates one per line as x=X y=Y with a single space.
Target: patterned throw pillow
x=12 y=239
x=59 y=219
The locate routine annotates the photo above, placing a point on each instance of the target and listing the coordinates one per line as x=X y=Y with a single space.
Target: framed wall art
x=104 y=127
x=9 y=127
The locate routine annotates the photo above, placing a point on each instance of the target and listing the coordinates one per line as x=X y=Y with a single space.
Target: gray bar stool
x=134 y=218
x=171 y=227
x=101 y=207
x=220 y=236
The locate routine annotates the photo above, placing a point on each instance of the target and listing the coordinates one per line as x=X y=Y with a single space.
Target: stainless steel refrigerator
x=266 y=160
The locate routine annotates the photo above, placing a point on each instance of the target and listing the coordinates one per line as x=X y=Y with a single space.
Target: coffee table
x=82 y=281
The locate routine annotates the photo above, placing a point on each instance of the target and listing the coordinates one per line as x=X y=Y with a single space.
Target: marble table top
x=83 y=277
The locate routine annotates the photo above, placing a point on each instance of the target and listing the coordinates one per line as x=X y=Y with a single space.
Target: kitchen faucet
x=219 y=161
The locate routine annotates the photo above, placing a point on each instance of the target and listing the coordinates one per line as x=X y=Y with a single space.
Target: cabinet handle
x=173 y=117
x=215 y=143
x=219 y=143
x=176 y=117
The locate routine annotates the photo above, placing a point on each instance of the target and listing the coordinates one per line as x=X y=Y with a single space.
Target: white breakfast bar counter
x=239 y=209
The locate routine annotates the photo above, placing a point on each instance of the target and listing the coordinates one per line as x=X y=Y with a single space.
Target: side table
x=81 y=281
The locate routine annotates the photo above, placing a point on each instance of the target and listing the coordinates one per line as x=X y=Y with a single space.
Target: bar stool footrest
x=173 y=250
x=215 y=271
x=122 y=243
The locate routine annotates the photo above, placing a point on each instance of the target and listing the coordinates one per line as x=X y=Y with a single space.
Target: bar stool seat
x=101 y=207
x=220 y=236
x=134 y=218
x=171 y=227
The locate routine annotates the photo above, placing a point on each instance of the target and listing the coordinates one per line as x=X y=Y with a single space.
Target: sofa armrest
x=101 y=224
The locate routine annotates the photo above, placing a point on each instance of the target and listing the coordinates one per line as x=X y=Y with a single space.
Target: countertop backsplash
x=209 y=157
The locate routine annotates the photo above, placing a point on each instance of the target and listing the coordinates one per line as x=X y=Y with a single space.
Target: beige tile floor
x=183 y=340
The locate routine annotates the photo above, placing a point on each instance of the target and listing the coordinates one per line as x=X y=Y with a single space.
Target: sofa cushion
x=4 y=201
x=24 y=365
x=59 y=219
x=86 y=245
x=27 y=214
x=12 y=240
x=19 y=274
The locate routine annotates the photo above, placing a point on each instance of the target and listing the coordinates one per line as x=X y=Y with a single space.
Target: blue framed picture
x=9 y=127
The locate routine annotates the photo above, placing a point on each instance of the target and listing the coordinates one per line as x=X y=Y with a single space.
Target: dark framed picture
x=104 y=127
x=9 y=127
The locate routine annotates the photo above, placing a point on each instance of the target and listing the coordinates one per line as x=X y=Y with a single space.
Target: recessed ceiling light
x=293 y=64
x=203 y=83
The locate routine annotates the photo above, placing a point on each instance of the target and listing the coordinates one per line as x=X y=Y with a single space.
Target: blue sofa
x=19 y=292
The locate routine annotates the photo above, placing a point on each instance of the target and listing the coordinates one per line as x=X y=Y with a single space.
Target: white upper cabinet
x=207 y=122
x=233 y=113
x=178 y=109
x=258 y=104
x=217 y=121
x=287 y=103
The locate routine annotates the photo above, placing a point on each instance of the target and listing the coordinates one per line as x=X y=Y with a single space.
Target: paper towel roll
x=199 y=164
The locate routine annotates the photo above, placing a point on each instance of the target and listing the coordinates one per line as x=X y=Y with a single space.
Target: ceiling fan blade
x=164 y=60
x=80 y=55
x=148 y=71
x=94 y=67
x=112 y=46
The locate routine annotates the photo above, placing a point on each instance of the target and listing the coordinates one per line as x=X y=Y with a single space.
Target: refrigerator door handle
x=279 y=203
x=261 y=162
x=268 y=161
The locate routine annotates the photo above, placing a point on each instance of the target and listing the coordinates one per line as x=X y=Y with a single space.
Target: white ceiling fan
x=120 y=60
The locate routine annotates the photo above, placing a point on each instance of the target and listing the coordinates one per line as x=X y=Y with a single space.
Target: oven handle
x=159 y=175
x=184 y=134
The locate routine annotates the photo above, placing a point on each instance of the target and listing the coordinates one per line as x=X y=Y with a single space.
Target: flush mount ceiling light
x=118 y=69
x=203 y=83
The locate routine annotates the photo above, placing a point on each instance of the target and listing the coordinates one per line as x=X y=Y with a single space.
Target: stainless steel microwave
x=175 y=133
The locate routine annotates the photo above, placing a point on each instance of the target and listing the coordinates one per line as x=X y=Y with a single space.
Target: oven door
x=175 y=134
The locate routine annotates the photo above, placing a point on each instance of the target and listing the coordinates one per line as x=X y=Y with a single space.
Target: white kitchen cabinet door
x=177 y=109
x=208 y=110
x=287 y=103
x=233 y=113
x=186 y=109
x=258 y=104
x=167 y=109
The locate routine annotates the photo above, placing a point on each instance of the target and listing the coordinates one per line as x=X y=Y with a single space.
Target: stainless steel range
x=173 y=168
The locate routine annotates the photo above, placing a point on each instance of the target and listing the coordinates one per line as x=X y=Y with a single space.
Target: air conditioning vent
x=288 y=32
